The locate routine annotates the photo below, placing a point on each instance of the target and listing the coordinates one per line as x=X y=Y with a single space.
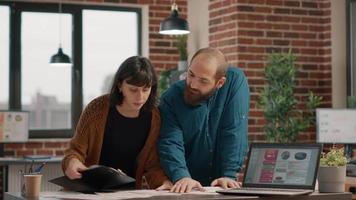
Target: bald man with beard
x=203 y=138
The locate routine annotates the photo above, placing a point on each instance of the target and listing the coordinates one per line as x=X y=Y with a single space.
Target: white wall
x=198 y=19
x=145 y=30
x=338 y=53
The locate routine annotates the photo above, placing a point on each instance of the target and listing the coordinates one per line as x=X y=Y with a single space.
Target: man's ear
x=221 y=82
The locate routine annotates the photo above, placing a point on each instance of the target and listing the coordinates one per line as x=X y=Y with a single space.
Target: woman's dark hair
x=137 y=71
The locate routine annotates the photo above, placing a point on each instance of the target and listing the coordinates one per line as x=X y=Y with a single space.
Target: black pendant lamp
x=174 y=25
x=60 y=58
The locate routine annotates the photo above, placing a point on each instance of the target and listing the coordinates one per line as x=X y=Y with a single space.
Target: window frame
x=77 y=55
x=8 y=70
x=351 y=91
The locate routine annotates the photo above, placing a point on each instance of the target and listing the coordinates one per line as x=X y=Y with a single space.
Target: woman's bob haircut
x=137 y=71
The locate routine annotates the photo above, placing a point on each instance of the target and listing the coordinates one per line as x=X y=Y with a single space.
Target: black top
x=123 y=140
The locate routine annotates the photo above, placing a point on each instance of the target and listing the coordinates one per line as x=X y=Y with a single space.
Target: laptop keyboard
x=269 y=189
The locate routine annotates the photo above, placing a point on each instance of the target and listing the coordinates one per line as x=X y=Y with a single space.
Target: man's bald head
x=215 y=56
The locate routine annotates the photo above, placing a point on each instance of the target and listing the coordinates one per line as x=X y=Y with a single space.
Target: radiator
x=49 y=171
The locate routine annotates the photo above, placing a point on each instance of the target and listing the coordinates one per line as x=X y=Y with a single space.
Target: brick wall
x=51 y=148
x=247 y=30
x=163 y=53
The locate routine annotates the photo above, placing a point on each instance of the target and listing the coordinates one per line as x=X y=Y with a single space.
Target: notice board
x=14 y=126
x=336 y=125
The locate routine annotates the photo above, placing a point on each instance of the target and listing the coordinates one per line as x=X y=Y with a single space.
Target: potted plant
x=283 y=120
x=332 y=171
x=164 y=81
x=181 y=44
x=167 y=77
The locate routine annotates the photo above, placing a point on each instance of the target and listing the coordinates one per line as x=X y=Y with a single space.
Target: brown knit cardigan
x=87 y=141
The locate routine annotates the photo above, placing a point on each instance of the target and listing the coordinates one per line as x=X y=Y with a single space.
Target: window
x=97 y=38
x=102 y=51
x=4 y=57
x=45 y=95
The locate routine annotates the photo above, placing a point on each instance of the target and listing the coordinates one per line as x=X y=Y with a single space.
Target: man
x=203 y=137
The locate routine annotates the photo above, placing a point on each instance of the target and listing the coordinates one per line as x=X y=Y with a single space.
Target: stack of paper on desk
x=126 y=194
x=96 y=178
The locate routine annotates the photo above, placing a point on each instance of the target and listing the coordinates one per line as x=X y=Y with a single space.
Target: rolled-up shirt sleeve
x=233 y=137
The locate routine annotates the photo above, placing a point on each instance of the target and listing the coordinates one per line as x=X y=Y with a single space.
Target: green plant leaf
x=181 y=44
x=284 y=121
x=334 y=158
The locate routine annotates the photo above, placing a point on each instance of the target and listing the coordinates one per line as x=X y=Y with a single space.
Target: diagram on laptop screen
x=281 y=166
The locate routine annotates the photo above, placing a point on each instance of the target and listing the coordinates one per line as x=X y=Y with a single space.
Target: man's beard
x=194 y=97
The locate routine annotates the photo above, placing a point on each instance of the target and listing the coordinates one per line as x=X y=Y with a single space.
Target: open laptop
x=279 y=169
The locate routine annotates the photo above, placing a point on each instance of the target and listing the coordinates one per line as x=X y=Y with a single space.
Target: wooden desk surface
x=313 y=196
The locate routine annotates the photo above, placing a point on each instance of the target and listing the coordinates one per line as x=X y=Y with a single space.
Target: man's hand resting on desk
x=225 y=183
x=74 y=168
x=186 y=185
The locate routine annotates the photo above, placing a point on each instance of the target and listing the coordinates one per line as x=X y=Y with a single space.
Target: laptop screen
x=282 y=165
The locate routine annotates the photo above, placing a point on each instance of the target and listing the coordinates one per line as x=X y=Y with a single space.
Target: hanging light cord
x=60 y=23
x=174 y=6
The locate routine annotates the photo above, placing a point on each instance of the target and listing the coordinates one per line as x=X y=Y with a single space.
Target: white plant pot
x=182 y=65
x=332 y=179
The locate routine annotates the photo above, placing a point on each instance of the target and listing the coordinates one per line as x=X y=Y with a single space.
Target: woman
x=120 y=129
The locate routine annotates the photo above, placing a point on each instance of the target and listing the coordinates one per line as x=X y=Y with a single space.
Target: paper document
x=130 y=194
x=68 y=195
x=133 y=194
x=126 y=194
x=208 y=190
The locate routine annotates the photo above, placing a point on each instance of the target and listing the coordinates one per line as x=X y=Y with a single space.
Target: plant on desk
x=332 y=171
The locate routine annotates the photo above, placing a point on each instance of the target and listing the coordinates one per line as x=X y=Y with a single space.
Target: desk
x=313 y=196
x=11 y=167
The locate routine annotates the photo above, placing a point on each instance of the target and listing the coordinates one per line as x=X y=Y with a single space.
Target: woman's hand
x=74 y=168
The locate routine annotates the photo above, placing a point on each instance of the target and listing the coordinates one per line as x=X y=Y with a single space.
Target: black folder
x=97 y=178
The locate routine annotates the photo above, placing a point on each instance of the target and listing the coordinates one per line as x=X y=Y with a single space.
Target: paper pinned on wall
x=336 y=126
x=14 y=126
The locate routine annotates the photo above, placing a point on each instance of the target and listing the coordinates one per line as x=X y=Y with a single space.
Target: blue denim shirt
x=207 y=141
